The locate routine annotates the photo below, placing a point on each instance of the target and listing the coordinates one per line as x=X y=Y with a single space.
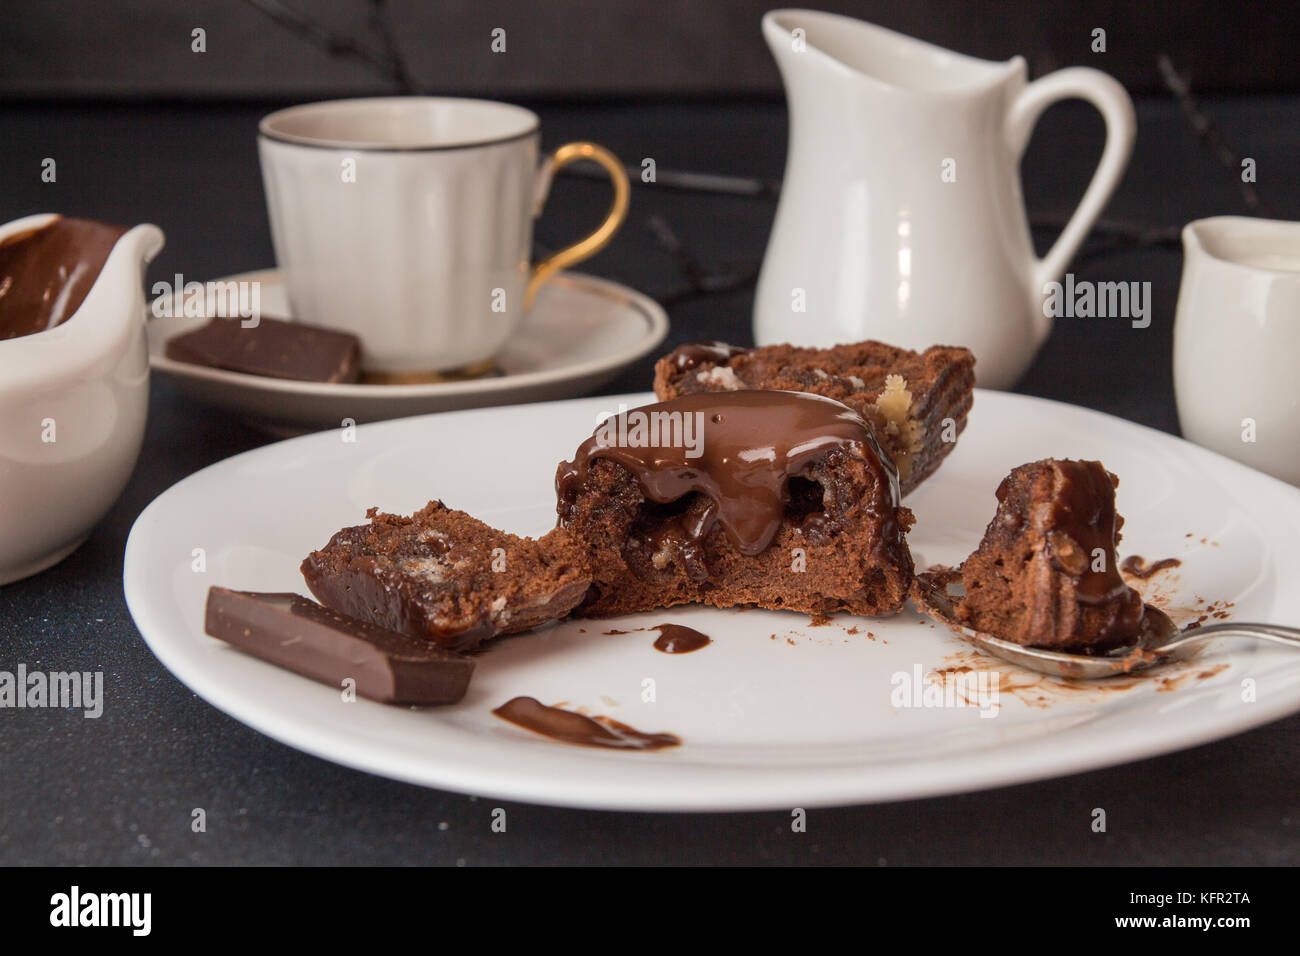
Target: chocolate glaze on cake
x=46 y=273
x=693 y=354
x=917 y=402
x=753 y=443
x=719 y=520
x=1045 y=573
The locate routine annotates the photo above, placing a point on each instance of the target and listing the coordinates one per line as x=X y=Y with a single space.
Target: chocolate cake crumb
x=445 y=577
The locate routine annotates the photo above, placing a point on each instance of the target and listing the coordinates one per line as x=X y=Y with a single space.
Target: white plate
x=579 y=334
x=800 y=719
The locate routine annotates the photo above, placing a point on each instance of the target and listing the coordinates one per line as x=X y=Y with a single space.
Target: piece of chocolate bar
x=301 y=635
x=272 y=348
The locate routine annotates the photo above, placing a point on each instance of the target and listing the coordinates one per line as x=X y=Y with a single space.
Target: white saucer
x=579 y=334
x=776 y=713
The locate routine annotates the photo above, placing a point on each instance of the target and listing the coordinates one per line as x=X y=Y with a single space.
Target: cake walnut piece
x=917 y=402
x=445 y=577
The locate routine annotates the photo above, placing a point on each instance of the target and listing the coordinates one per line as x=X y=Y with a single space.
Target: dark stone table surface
x=120 y=789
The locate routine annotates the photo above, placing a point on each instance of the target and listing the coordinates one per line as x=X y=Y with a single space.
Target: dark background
x=145 y=130
x=579 y=48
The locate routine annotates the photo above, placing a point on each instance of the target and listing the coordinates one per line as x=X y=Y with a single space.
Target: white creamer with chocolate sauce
x=74 y=380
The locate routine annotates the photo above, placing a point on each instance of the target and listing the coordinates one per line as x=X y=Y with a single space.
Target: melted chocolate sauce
x=1136 y=566
x=45 y=274
x=571 y=728
x=678 y=639
x=686 y=357
x=1083 y=521
x=748 y=446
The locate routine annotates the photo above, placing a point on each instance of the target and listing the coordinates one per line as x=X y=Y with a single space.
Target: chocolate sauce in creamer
x=46 y=273
x=751 y=443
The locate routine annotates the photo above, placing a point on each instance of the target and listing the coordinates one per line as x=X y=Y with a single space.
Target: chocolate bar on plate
x=304 y=637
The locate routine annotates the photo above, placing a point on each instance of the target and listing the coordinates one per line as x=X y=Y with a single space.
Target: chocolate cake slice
x=781 y=499
x=1045 y=573
x=445 y=577
x=917 y=402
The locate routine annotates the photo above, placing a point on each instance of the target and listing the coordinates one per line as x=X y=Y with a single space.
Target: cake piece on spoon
x=1045 y=573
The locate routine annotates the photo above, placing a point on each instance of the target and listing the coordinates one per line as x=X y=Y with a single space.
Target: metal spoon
x=1160 y=640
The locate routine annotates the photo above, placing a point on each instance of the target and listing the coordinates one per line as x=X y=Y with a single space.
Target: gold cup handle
x=584 y=248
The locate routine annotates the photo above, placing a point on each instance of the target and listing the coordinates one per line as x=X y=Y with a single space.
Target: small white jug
x=1237 y=341
x=901 y=215
x=73 y=403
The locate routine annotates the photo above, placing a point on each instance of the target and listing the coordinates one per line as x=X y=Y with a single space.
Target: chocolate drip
x=679 y=639
x=46 y=273
x=739 y=450
x=571 y=728
x=1136 y=566
x=687 y=357
x=1083 y=522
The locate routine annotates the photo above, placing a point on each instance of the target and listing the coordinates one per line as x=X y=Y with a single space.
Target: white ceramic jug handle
x=1113 y=102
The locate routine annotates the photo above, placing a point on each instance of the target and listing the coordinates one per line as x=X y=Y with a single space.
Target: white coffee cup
x=1236 y=341
x=408 y=221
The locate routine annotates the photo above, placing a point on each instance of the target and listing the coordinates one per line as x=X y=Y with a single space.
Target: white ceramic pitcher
x=901 y=217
